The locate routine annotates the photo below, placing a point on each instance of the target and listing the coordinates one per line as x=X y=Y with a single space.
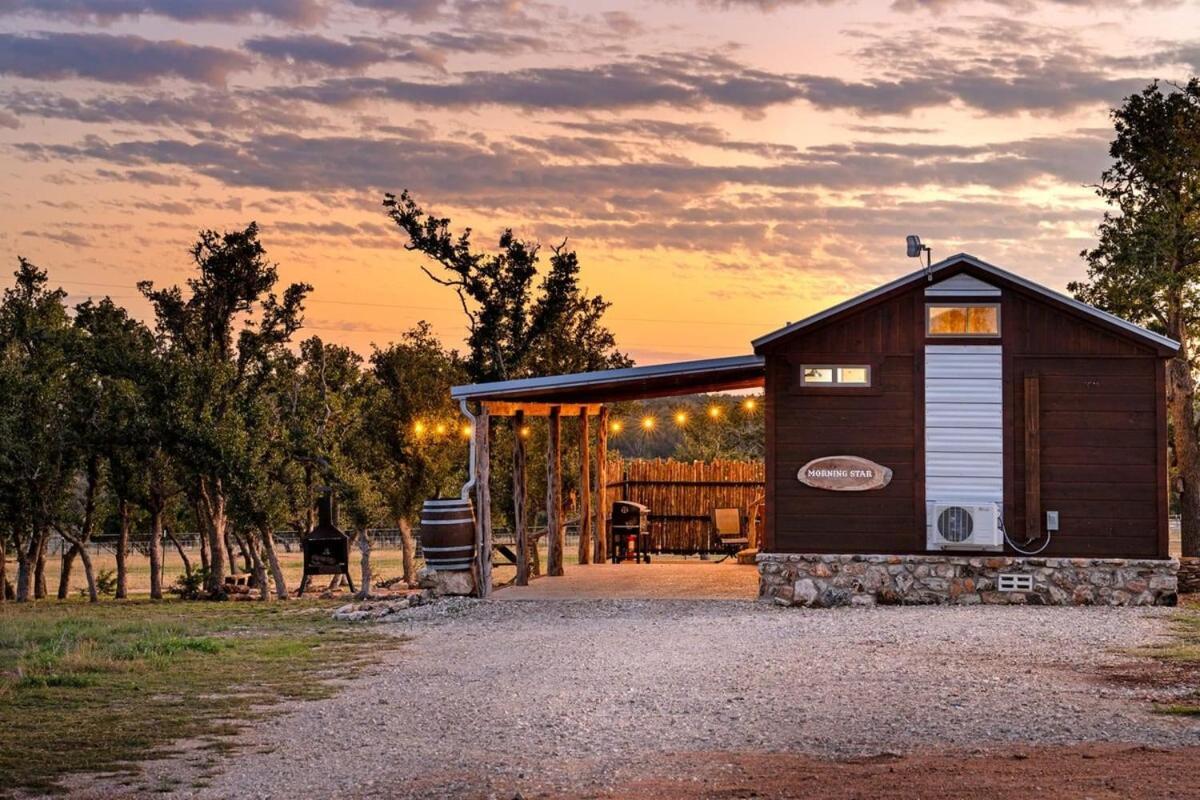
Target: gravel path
x=574 y=694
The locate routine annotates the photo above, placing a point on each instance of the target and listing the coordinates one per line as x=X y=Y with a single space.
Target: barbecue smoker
x=630 y=532
x=326 y=549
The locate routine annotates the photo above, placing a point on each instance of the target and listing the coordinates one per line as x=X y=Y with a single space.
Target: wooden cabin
x=973 y=386
x=961 y=434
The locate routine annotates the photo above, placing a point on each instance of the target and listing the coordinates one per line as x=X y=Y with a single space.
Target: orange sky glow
x=721 y=166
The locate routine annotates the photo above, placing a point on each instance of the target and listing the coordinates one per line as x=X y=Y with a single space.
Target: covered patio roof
x=614 y=385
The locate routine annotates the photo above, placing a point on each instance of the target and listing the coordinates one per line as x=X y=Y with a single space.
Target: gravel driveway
x=538 y=695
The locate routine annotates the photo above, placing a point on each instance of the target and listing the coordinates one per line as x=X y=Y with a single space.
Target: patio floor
x=667 y=580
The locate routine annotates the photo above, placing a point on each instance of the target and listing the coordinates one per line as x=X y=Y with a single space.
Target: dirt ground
x=669 y=699
x=1098 y=772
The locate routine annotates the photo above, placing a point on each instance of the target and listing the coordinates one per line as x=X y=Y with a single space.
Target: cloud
x=415 y=10
x=8 y=120
x=475 y=173
x=115 y=59
x=306 y=53
x=209 y=107
x=998 y=81
x=671 y=80
x=1026 y=6
x=294 y=12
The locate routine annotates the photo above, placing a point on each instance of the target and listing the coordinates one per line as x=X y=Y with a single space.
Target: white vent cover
x=1009 y=582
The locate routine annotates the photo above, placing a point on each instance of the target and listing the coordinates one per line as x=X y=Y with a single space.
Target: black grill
x=630 y=532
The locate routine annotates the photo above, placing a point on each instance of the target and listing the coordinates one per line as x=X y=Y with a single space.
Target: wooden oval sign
x=844 y=474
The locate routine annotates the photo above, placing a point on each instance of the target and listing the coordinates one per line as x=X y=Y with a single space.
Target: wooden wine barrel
x=448 y=534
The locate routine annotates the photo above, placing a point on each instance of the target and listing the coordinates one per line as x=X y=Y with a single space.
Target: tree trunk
x=228 y=540
x=258 y=569
x=213 y=503
x=24 y=575
x=3 y=570
x=183 y=556
x=408 y=550
x=268 y=540
x=1181 y=396
x=204 y=560
x=23 y=569
x=39 y=575
x=64 y=576
x=245 y=547
x=123 y=550
x=156 y=537
x=89 y=574
x=364 y=547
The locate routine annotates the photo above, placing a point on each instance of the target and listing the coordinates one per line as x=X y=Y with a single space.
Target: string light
x=749 y=404
x=525 y=432
x=681 y=418
x=418 y=427
x=714 y=412
x=466 y=431
x=648 y=423
x=617 y=426
x=440 y=429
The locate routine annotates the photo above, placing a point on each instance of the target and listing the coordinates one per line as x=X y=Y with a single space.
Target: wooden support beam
x=556 y=541
x=501 y=408
x=483 y=503
x=585 y=489
x=520 y=497
x=1033 y=459
x=600 y=529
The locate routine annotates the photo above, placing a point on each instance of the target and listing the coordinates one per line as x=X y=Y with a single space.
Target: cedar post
x=601 y=530
x=554 y=529
x=1033 y=459
x=519 y=497
x=483 y=501
x=585 y=488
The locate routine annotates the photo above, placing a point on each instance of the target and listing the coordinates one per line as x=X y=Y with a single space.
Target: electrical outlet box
x=1051 y=520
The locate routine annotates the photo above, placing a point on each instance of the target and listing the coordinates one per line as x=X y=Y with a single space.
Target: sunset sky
x=721 y=166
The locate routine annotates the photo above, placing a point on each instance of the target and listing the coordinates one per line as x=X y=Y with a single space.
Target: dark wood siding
x=875 y=423
x=1102 y=443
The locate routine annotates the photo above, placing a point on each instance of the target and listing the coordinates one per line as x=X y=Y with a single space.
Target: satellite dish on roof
x=915 y=249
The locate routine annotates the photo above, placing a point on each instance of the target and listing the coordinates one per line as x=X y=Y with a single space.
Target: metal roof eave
x=500 y=390
x=1036 y=288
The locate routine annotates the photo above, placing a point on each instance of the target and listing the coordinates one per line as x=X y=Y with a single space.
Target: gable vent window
x=963 y=319
x=832 y=375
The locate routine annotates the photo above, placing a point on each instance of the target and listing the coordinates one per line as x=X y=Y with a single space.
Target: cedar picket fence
x=682 y=495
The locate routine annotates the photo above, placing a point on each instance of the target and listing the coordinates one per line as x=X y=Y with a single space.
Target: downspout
x=470 y=484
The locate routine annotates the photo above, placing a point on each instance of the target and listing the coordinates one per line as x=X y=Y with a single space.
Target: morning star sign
x=844 y=474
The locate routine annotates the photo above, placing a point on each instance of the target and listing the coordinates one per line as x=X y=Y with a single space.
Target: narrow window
x=832 y=375
x=981 y=319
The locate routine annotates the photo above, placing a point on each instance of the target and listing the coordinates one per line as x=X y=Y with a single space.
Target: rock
x=805 y=592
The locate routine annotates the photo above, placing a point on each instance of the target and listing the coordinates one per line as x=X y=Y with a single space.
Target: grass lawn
x=1182 y=652
x=97 y=688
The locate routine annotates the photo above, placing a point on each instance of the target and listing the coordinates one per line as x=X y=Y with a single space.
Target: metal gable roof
x=959 y=258
x=665 y=377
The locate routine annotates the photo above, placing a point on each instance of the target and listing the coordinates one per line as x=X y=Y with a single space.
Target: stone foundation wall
x=1189 y=575
x=824 y=581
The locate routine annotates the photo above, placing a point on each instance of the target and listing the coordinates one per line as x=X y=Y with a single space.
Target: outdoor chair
x=727 y=531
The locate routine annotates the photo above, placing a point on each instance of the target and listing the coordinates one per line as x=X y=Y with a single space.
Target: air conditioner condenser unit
x=965 y=526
